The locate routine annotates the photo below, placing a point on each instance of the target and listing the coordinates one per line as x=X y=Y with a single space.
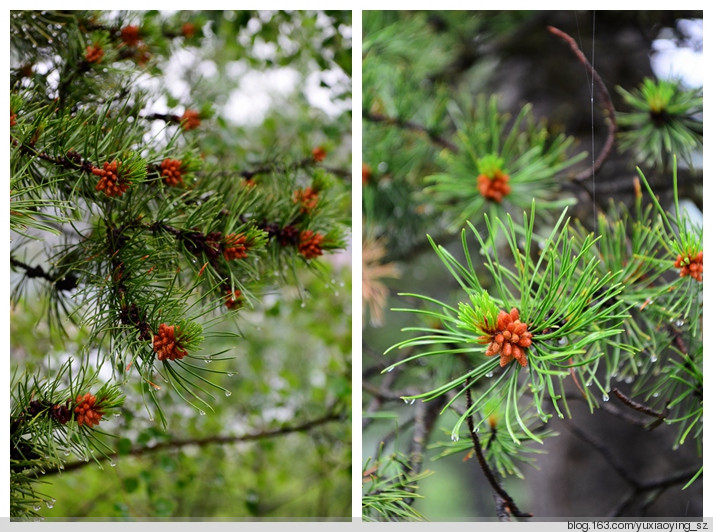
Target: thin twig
x=606 y=101
x=330 y=416
x=638 y=406
x=411 y=126
x=508 y=503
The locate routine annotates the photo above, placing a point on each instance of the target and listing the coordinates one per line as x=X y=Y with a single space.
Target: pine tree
x=145 y=223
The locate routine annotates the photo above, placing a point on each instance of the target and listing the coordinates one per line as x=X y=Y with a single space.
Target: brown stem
x=638 y=406
x=331 y=415
x=606 y=102
x=77 y=162
x=411 y=126
x=507 y=502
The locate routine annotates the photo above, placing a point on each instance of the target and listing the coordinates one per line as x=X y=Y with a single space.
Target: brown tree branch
x=331 y=415
x=508 y=504
x=660 y=416
x=606 y=101
x=411 y=126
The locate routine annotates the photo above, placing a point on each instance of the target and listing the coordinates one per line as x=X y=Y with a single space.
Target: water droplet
x=489 y=374
x=112 y=464
x=405 y=400
x=562 y=341
x=680 y=323
x=50 y=504
x=341 y=284
x=228 y=393
x=201 y=412
x=629 y=379
x=605 y=397
x=36 y=507
x=654 y=358
x=389 y=370
x=66 y=452
x=477 y=429
x=303 y=304
x=412 y=401
x=560 y=415
x=229 y=374
x=588 y=383
x=207 y=360
x=656 y=394
x=454 y=437
x=86 y=459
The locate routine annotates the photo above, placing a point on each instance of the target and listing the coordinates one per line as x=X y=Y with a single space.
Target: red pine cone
x=235 y=246
x=694 y=268
x=494 y=188
x=165 y=343
x=190 y=119
x=130 y=35
x=94 y=54
x=234 y=299
x=310 y=244
x=86 y=411
x=307 y=198
x=510 y=339
x=319 y=154
x=13 y=118
x=188 y=30
x=110 y=182
x=171 y=172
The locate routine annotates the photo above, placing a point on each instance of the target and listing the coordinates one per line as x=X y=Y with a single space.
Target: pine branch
x=67 y=282
x=660 y=416
x=411 y=126
x=331 y=415
x=73 y=161
x=508 y=504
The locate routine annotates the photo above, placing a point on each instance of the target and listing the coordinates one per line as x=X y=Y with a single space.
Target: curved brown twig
x=506 y=505
x=660 y=416
x=606 y=101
